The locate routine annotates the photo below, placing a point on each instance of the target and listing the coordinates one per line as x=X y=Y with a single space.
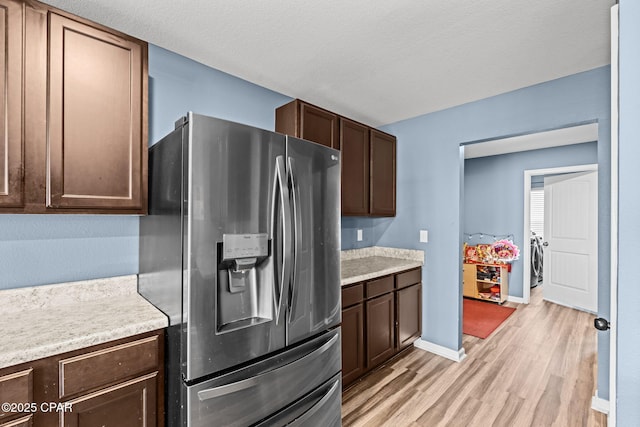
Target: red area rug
x=481 y=318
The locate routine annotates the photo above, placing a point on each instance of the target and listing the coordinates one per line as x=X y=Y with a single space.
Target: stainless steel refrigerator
x=241 y=251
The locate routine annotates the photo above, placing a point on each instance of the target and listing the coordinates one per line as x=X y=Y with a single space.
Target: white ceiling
x=377 y=61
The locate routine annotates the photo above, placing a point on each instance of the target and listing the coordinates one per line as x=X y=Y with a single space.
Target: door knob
x=545 y=244
x=601 y=324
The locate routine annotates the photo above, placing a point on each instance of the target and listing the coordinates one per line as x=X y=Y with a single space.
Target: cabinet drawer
x=16 y=388
x=108 y=366
x=352 y=295
x=380 y=286
x=408 y=278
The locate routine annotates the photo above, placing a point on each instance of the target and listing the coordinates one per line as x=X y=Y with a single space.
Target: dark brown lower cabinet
x=115 y=384
x=352 y=343
x=409 y=309
x=130 y=404
x=380 y=329
x=20 y=422
x=380 y=317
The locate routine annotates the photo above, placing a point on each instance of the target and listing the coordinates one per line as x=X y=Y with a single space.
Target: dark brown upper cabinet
x=309 y=122
x=354 y=148
x=368 y=156
x=96 y=153
x=11 y=103
x=383 y=174
x=83 y=94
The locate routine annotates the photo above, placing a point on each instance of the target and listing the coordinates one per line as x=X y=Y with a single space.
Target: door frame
x=597 y=403
x=526 y=252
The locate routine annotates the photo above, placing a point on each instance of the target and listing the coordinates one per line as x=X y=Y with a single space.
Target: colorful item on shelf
x=485 y=253
x=500 y=252
x=506 y=250
x=470 y=254
x=478 y=254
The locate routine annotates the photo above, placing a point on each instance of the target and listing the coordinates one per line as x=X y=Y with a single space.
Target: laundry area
x=536 y=217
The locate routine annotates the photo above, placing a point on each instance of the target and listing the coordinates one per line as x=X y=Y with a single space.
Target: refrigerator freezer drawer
x=322 y=407
x=253 y=393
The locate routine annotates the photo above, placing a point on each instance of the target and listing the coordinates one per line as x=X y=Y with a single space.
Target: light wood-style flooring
x=537 y=369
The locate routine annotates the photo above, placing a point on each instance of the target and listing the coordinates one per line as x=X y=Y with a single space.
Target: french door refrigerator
x=241 y=250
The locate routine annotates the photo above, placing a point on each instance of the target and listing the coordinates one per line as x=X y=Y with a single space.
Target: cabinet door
x=97 y=118
x=383 y=174
x=469 y=288
x=130 y=404
x=11 y=137
x=352 y=343
x=504 y=283
x=354 y=148
x=22 y=422
x=380 y=315
x=409 y=314
x=15 y=387
x=318 y=125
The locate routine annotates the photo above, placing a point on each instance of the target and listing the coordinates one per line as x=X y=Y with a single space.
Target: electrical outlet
x=424 y=236
x=359 y=237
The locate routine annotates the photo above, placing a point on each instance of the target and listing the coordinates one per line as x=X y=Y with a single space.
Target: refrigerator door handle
x=300 y=363
x=285 y=208
x=297 y=232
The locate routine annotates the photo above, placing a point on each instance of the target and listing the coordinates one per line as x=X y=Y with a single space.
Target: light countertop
x=43 y=321
x=358 y=265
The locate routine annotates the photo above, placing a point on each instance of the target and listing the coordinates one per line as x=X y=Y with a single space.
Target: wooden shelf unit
x=479 y=278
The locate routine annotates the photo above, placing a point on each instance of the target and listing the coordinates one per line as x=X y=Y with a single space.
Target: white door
x=570 y=267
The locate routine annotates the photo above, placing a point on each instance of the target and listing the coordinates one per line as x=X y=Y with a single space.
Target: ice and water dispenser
x=244 y=291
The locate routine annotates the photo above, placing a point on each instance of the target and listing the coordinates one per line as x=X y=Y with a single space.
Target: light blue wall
x=430 y=190
x=42 y=249
x=494 y=193
x=178 y=85
x=628 y=321
x=372 y=230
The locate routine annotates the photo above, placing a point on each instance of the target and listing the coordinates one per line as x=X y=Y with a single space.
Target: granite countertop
x=42 y=321
x=358 y=265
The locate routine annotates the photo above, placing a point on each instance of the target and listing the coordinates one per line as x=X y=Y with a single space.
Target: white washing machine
x=537 y=252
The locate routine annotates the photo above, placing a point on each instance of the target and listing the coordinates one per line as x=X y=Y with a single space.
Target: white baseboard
x=456 y=356
x=515 y=299
x=599 y=404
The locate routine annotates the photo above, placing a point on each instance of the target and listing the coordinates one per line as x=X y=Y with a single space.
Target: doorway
x=578 y=134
